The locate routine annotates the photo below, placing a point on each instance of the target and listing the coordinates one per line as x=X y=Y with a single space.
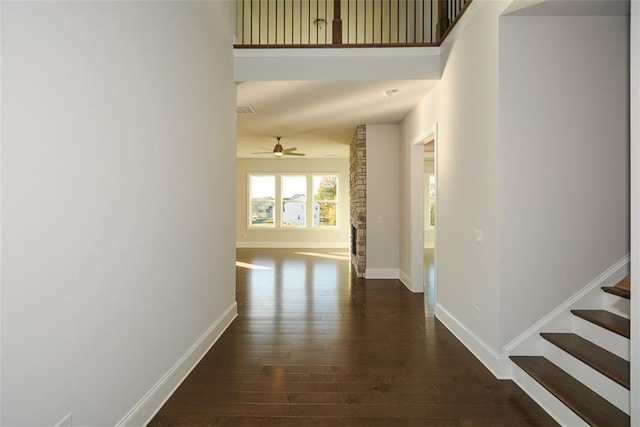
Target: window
x=283 y=201
x=325 y=200
x=263 y=198
x=294 y=201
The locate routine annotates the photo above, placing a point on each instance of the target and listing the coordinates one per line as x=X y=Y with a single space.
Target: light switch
x=477 y=236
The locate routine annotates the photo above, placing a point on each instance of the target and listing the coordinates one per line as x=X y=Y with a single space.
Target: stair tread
x=579 y=398
x=624 y=284
x=617 y=292
x=607 y=320
x=605 y=362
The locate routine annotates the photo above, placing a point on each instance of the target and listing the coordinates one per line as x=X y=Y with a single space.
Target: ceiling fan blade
x=288 y=150
x=294 y=154
x=263 y=152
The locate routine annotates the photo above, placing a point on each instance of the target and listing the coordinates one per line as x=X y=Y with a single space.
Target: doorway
x=423 y=216
x=429 y=223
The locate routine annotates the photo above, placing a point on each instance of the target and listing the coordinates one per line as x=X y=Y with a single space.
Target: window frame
x=336 y=201
x=279 y=202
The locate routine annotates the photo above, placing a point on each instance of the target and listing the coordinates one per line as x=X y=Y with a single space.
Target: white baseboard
x=406 y=280
x=408 y=283
x=151 y=402
x=382 y=273
x=498 y=364
x=294 y=245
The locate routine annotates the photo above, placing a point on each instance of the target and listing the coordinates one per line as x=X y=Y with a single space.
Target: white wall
x=1 y=174
x=564 y=159
x=292 y=238
x=464 y=106
x=383 y=212
x=118 y=131
x=530 y=120
x=337 y=64
x=429 y=232
x=635 y=207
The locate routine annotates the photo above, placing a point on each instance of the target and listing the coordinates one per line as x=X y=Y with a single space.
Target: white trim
x=406 y=281
x=294 y=245
x=150 y=404
x=391 y=52
x=420 y=139
x=498 y=364
x=67 y=421
x=609 y=277
x=382 y=273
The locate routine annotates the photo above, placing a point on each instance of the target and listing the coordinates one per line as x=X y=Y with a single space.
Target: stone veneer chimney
x=358 y=195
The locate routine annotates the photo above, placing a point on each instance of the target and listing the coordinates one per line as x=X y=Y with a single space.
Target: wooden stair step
x=617 y=291
x=603 y=361
x=624 y=284
x=579 y=398
x=607 y=320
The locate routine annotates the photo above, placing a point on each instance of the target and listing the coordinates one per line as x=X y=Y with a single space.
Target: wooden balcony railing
x=325 y=23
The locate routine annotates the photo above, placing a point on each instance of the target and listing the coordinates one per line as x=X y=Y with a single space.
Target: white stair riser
x=615 y=343
x=605 y=387
x=617 y=305
x=551 y=404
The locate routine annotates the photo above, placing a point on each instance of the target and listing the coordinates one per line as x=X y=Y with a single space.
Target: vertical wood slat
x=443 y=18
x=336 y=23
x=289 y=22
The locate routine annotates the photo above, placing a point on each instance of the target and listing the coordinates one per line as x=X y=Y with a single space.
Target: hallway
x=314 y=346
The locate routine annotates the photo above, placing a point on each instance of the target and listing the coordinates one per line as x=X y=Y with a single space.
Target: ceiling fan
x=279 y=151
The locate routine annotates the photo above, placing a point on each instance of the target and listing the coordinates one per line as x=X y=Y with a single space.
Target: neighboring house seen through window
x=294 y=201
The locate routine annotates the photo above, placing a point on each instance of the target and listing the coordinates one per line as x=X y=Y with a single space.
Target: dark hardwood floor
x=313 y=346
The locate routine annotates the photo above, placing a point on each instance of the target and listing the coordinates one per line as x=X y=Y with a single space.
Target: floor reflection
x=313 y=345
x=429 y=281
x=331 y=255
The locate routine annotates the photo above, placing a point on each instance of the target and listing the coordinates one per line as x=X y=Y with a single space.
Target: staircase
x=582 y=378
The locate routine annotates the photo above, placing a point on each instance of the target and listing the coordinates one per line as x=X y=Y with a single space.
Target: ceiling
x=319 y=117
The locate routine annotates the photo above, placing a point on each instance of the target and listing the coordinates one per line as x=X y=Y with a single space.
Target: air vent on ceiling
x=246 y=109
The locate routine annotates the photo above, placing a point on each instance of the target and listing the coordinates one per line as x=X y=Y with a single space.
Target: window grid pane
x=263 y=197
x=325 y=198
x=294 y=201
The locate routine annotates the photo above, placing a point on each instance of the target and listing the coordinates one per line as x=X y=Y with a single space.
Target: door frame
x=417 y=200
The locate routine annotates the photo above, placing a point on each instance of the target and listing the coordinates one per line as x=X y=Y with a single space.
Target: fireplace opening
x=354 y=238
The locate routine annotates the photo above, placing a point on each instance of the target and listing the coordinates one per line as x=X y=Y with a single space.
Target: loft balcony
x=345 y=23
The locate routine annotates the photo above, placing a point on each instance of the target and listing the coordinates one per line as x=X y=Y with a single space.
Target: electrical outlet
x=66 y=421
x=477 y=236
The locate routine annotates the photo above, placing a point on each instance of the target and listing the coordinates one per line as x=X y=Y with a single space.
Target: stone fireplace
x=358 y=196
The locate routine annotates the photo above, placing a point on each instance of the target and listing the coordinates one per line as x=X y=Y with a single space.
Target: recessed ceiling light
x=389 y=93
